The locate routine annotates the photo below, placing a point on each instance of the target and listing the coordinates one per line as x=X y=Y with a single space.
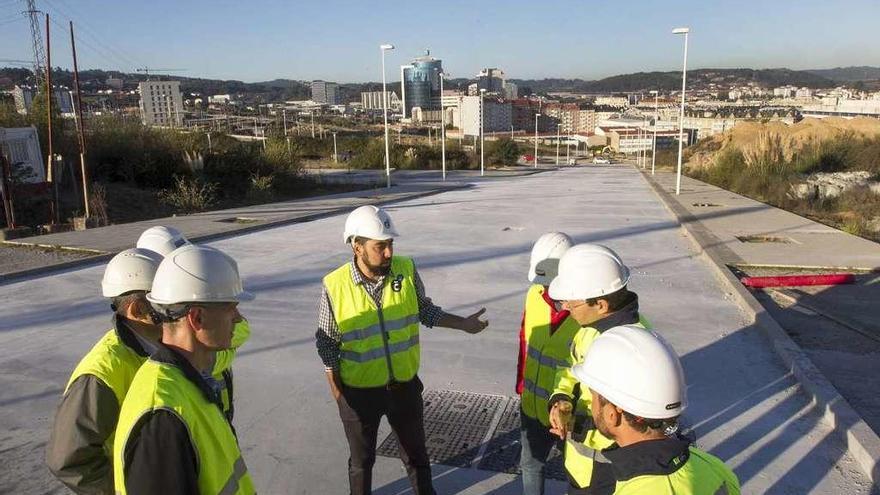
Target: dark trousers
x=361 y=409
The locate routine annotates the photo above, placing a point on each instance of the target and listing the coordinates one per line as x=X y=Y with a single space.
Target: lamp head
x=681 y=30
x=386 y=47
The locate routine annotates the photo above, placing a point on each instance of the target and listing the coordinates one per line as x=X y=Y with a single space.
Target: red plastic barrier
x=798 y=280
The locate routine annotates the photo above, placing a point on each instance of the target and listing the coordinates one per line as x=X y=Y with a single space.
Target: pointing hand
x=473 y=323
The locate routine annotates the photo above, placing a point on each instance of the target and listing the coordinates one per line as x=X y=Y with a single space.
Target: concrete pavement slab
x=471 y=247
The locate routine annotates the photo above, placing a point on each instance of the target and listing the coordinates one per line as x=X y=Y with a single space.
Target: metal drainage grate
x=457 y=426
x=240 y=220
x=763 y=238
x=503 y=451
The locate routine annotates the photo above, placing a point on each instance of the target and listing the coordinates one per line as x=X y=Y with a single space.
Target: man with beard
x=638 y=393
x=368 y=339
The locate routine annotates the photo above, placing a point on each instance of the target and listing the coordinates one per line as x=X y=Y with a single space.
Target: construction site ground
x=471 y=246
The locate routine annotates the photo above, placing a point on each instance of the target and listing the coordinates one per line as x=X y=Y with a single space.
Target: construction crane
x=148 y=70
x=37 y=40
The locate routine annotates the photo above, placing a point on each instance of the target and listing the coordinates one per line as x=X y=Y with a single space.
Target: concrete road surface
x=471 y=247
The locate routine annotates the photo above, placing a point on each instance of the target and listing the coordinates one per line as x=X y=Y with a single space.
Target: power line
x=11 y=21
x=86 y=29
x=106 y=56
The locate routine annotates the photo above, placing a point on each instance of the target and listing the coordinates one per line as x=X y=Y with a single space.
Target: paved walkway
x=471 y=247
x=754 y=233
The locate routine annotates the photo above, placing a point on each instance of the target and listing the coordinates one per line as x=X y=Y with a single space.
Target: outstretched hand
x=473 y=324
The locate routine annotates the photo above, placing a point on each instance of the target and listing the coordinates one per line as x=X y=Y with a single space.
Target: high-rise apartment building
x=420 y=84
x=324 y=92
x=161 y=103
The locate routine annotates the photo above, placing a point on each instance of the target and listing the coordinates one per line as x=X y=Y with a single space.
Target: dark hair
x=642 y=425
x=138 y=299
x=616 y=300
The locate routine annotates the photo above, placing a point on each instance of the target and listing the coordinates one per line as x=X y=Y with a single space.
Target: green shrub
x=504 y=151
x=189 y=195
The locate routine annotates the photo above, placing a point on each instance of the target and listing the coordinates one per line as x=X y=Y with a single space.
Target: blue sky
x=338 y=40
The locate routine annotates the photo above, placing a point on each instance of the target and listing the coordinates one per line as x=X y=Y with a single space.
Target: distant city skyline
x=339 y=40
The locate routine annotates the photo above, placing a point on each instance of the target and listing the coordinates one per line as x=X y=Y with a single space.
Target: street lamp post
x=284 y=114
x=536 y=139
x=443 y=128
x=335 y=159
x=568 y=150
x=684 y=31
x=654 y=145
x=383 y=49
x=482 y=135
x=557 y=143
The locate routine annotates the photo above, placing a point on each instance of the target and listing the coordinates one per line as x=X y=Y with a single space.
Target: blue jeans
x=537 y=442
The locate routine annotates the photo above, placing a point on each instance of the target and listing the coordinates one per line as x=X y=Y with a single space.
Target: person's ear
x=602 y=306
x=195 y=317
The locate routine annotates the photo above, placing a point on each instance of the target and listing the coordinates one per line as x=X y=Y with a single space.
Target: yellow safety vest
x=545 y=352
x=378 y=346
x=701 y=474
x=114 y=363
x=580 y=455
x=163 y=386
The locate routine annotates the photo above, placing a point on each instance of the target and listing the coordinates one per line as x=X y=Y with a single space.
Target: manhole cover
x=763 y=239
x=465 y=408
x=503 y=452
x=240 y=220
x=457 y=425
x=447 y=444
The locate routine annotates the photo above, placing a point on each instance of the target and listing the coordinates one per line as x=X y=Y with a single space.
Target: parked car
x=601 y=161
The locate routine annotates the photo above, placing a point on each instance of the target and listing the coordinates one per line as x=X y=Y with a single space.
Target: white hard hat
x=637 y=371
x=546 y=252
x=371 y=222
x=161 y=239
x=587 y=271
x=130 y=270
x=197 y=274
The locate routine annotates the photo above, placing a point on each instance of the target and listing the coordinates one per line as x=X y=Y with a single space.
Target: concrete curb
x=7 y=278
x=860 y=439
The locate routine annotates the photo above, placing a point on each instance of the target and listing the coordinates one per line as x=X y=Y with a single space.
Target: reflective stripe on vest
x=372 y=330
x=161 y=386
x=379 y=352
x=538 y=391
x=239 y=470
x=548 y=361
x=378 y=344
x=701 y=474
x=545 y=353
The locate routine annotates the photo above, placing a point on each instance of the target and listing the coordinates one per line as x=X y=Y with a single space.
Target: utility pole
x=80 y=126
x=536 y=139
x=51 y=158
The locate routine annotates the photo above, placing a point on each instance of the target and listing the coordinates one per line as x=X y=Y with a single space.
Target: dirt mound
x=748 y=135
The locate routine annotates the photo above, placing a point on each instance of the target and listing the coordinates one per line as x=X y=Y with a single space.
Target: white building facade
x=161 y=103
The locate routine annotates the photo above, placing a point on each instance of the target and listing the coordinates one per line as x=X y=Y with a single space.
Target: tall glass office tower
x=420 y=84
